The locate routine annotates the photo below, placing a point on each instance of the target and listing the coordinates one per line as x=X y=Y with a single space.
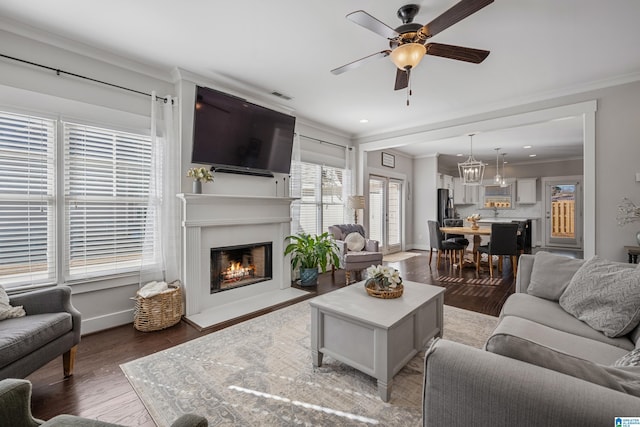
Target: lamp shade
x=408 y=55
x=355 y=202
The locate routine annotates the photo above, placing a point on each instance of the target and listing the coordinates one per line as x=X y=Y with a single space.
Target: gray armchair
x=355 y=260
x=15 y=410
x=51 y=328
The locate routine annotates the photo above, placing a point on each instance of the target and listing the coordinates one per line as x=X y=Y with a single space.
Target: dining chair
x=438 y=242
x=503 y=243
x=457 y=238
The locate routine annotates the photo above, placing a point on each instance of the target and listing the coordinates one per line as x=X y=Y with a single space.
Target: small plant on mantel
x=310 y=252
x=201 y=174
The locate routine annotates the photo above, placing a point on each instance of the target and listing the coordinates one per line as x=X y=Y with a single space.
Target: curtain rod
x=326 y=142
x=59 y=71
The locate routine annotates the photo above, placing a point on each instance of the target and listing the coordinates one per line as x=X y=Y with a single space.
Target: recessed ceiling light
x=526 y=147
x=364 y=120
x=532 y=155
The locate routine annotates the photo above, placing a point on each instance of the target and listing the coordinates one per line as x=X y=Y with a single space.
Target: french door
x=385 y=212
x=563 y=212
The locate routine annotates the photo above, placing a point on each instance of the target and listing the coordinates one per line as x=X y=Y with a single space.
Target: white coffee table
x=376 y=336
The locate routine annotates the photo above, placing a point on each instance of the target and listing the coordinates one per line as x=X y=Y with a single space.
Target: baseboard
x=419 y=247
x=111 y=320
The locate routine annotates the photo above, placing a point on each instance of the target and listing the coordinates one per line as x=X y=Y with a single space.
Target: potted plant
x=199 y=176
x=310 y=252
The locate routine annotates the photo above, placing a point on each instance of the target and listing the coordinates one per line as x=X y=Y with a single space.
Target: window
x=90 y=219
x=322 y=197
x=27 y=200
x=106 y=200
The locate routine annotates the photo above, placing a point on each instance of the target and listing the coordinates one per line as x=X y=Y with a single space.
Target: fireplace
x=242 y=265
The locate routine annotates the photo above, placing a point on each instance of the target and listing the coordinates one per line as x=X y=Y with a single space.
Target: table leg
x=317 y=358
x=384 y=390
x=630 y=255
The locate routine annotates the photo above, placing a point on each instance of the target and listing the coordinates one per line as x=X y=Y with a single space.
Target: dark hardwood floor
x=98 y=389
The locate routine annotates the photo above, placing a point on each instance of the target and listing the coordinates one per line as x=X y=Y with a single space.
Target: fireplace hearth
x=241 y=265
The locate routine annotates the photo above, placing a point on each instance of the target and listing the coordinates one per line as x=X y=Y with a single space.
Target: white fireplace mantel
x=210 y=221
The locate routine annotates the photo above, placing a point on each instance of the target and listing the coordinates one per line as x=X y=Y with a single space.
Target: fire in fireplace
x=242 y=265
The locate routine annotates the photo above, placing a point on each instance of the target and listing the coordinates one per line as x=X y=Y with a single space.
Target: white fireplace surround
x=210 y=221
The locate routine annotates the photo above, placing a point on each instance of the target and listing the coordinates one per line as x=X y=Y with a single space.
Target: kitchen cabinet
x=445 y=181
x=464 y=194
x=526 y=190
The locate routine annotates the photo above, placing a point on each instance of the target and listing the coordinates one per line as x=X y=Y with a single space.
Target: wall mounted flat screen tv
x=236 y=136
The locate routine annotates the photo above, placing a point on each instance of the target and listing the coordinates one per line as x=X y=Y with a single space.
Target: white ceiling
x=539 y=49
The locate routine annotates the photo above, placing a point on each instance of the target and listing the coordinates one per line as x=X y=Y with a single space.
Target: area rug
x=259 y=373
x=399 y=256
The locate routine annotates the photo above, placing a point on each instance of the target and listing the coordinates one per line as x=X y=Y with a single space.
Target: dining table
x=477 y=234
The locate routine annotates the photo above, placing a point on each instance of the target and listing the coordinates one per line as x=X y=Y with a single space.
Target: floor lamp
x=356 y=203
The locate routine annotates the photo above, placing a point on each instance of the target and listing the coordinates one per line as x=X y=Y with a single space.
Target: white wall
x=425 y=193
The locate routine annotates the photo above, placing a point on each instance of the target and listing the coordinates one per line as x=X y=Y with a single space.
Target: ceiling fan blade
x=455 y=14
x=357 y=63
x=402 y=79
x=367 y=21
x=467 y=54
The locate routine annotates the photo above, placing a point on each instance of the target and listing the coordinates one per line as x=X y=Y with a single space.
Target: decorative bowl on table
x=383 y=282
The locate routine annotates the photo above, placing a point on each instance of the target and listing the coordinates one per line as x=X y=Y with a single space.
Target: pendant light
x=497 y=179
x=504 y=176
x=472 y=170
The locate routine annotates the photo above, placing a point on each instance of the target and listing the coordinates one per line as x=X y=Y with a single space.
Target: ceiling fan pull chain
x=408 y=85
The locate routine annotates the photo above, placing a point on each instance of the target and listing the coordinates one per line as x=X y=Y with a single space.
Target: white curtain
x=162 y=236
x=295 y=185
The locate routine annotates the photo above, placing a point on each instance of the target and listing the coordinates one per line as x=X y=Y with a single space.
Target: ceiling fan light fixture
x=408 y=55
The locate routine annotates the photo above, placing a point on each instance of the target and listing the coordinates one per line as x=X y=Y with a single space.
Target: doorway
x=563 y=211
x=385 y=212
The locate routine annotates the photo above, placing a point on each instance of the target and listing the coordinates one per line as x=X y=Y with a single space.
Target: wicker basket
x=386 y=294
x=159 y=311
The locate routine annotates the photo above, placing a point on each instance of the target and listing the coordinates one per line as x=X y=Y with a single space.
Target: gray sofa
x=51 y=328
x=541 y=366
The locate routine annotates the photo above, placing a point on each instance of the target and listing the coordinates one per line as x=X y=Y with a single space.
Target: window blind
x=321 y=197
x=107 y=201
x=27 y=203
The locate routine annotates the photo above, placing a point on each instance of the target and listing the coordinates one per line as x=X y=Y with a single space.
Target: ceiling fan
x=408 y=42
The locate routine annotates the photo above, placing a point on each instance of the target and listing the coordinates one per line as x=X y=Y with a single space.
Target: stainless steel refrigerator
x=445 y=205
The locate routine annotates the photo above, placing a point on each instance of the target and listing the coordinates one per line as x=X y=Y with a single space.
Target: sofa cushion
x=551 y=275
x=372 y=257
x=534 y=334
x=8 y=311
x=23 y=335
x=605 y=295
x=550 y=314
x=630 y=359
x=623 y=379
x=355 y=241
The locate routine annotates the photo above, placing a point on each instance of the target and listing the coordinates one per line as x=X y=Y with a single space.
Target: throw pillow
x=551 y=275
x=623 y=379
x=630 y=359
x=605 y=295
x=355 y=242
x=7 y=310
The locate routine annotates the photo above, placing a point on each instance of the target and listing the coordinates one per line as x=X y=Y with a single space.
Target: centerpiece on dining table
x=383 y=282
x=473 y=219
